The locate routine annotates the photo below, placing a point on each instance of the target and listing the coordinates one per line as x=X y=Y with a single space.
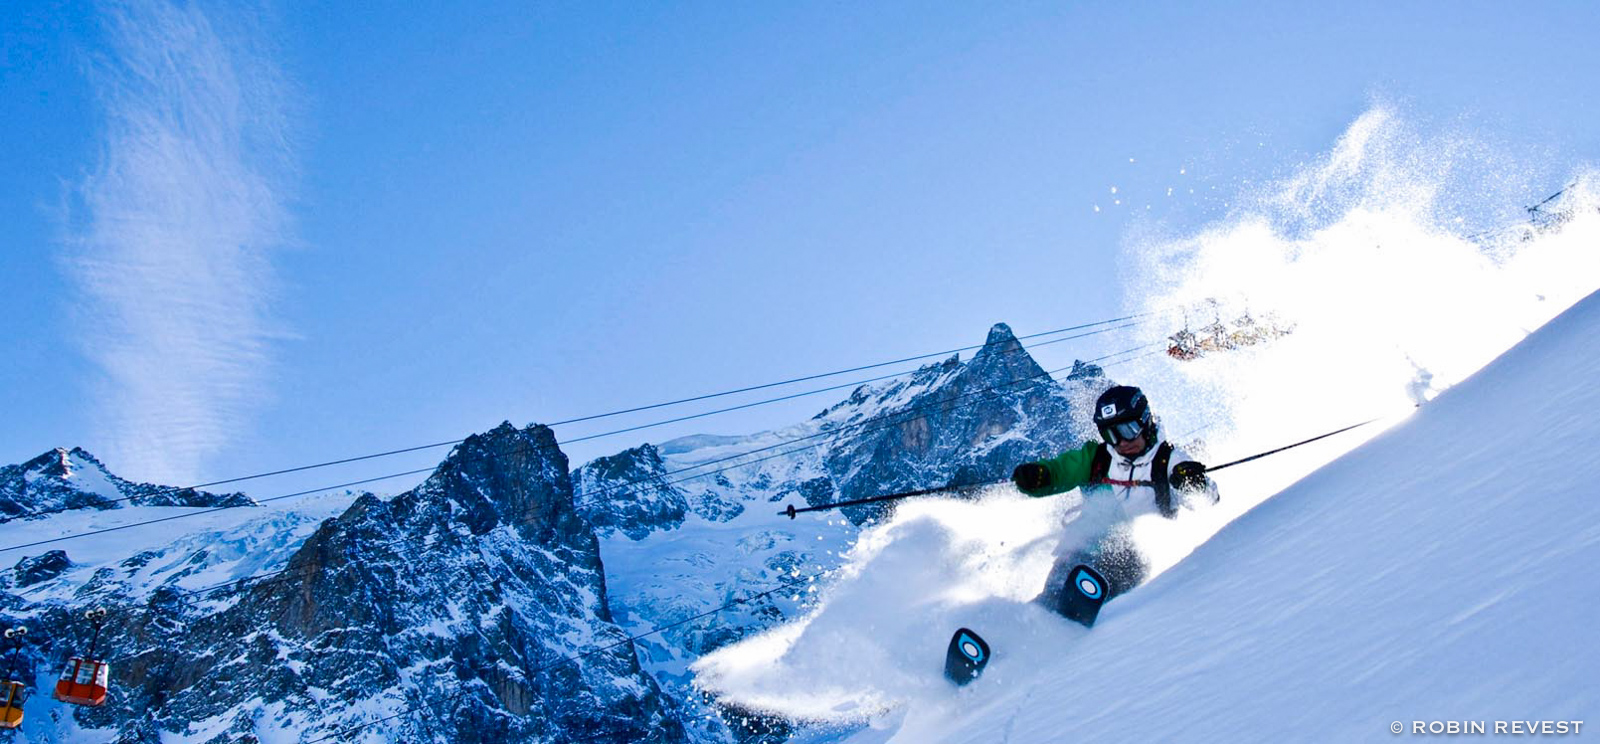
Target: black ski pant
x=1114 y=556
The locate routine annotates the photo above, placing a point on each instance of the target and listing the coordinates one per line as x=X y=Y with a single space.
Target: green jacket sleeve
x=1068 y=470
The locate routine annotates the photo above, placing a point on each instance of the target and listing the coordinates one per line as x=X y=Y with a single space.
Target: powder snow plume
x=1402 y=263
x=870 y=642
x=171 y=251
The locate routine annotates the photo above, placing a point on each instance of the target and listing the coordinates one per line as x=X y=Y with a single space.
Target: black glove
x=1188 y=476
x=1031 y=476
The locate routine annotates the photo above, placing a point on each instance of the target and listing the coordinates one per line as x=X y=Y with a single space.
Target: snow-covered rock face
x=692 y=524
x=950 y=422
x=457 y=604
x=63 y=480
x=32 y=570
x=646 y=505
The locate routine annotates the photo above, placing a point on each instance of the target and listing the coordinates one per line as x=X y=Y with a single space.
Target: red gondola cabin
x=83 y=682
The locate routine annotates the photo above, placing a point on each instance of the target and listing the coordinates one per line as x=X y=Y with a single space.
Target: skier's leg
x=1113 y=555
x=1119 y=561
x=1060 y=572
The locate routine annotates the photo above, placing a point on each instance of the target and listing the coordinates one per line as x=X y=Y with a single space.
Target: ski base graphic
x=967 y=656
x=1082 y=596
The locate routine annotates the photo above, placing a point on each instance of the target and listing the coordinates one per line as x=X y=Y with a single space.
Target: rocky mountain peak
x=946 y=422
x=1000 y=339
x=34 y=569
x=61 y=462
x=476 y=600
x=509 y=476
x=1003 y=360
x=62 y=480
x=53 y=464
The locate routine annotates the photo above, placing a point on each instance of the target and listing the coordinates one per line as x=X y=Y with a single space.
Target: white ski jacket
x=1127 y=480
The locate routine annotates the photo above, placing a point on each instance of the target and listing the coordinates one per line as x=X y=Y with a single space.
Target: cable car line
x=524 y=448
x=854 y=369
x=88 y=692
x=519 y=448
x=894 y=419
x=820 y=390
x=435 y=445
x=594 y=497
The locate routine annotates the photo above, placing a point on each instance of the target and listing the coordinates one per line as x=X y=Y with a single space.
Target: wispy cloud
x=180 y=215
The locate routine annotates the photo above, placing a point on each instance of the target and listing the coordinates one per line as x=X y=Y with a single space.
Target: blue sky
x=245 y=237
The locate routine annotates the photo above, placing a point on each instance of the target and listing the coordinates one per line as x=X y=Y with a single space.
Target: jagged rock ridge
x=65 y=480
x=458 y=604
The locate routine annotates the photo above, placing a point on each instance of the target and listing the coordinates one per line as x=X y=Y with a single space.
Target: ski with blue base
x=1081 y=598
x=967 y=656
x=1083 y=595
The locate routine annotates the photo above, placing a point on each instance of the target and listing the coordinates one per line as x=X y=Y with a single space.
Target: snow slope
x=1441 y=572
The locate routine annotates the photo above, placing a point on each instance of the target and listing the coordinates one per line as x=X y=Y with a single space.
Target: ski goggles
x=1123 y=432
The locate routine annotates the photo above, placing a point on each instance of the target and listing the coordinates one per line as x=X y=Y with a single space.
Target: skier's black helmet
x=1123 y=413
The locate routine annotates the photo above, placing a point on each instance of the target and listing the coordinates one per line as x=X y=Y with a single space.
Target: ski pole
x=1215 y=468
x=954 y=489
x=791 y=511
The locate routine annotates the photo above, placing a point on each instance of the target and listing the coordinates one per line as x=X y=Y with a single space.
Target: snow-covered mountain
x=458 y=602
x=63 y=480
x=1438 y=576
x=950 y=422
x=494 y=602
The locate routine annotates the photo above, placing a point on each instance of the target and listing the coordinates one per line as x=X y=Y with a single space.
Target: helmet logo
x=1108 y=410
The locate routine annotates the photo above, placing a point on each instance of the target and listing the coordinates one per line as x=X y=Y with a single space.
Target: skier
x=1134 y=472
